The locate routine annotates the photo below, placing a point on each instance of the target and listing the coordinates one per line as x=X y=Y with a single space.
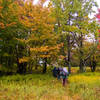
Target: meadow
x=80 y=86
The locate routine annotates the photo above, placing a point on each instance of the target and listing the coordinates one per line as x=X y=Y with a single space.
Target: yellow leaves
x=60 y=45
x=50 y=4
x=74 y=28
x=45 y=56
x=55 y=47
x=50 y=50
x=1 y=15
x=36 y=16
x=83 y=31
x=44 y=49
x=51 y=20
x=34 y=49
x=21 y=40
x=24 y=59
x=70 y=28
x=39 y=21
x=41 y=49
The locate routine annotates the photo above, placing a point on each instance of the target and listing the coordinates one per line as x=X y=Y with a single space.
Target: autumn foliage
x=42 y=40
x=33 y=33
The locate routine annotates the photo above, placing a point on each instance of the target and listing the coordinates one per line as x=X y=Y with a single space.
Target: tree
x=72 y=20
x=82 y=22
x=64 y=11
x=41 y=40
x=11 y=30
x=7 y=24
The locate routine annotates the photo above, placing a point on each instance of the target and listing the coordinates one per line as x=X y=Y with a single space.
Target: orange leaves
x=2 y=25
x=61 y=57
x=42 y=39
x=35 y=15
x=11 y=24
x=45 y=56
x=1 y=7
x=41 y=49
x=1 y=15
x=7 y=25
x=46 y=48
x=57 y=47
x=46 y=51
x=6 y=16
x=51 y=20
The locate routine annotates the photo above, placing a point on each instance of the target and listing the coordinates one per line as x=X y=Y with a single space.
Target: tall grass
x=85 y=86
x=31 y=87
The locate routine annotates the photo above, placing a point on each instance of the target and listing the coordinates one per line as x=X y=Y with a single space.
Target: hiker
x=59 y=71
x=64 y=76
x=55 y=72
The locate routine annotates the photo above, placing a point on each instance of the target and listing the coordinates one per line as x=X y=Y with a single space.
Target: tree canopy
x=31 y=34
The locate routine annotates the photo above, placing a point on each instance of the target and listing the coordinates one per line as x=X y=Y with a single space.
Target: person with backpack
x=64 y=75
x=61 y=73
x=55 y=72
x=59 y=70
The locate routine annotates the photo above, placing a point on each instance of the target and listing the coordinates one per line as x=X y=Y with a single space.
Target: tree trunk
x=36 y=63
x=69 y=47
x=19 y=65
x=69 y=66
x=45 y=65
x=36 y=67
x=30 y=67
x=1 y=59
x=29 y=64
x=22 y=68
x=81 y=53
x=93 y=65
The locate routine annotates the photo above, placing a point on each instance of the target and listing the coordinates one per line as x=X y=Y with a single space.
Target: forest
x=37 y=36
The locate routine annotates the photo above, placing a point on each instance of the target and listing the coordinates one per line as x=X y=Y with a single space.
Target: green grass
x=32 y=87
x=85 y=86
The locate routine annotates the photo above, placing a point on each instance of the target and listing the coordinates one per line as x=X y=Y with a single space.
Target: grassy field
x=85 y=86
